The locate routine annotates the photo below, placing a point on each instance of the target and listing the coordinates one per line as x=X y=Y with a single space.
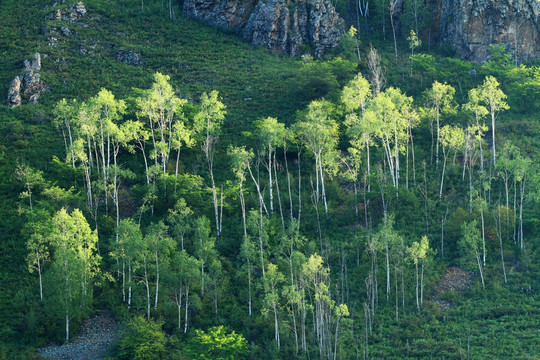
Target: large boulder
x=14 y=93
x=279 y=25
x=470 y=26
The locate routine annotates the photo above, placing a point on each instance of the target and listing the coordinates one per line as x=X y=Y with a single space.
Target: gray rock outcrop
x=71 y=14
x=279 y=25
x=230 y=14
x=128 y=57
x=29 y=84
x=14 y=93
x=470 y=26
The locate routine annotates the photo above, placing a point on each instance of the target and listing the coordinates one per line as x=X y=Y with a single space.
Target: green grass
x=500 y=323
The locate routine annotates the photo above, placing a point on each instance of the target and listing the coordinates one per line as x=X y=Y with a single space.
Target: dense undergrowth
x=499 y=322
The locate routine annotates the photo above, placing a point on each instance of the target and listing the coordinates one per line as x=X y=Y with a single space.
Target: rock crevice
x=289 y=26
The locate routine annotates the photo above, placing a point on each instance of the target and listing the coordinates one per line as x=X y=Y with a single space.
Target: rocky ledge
x=289 y=26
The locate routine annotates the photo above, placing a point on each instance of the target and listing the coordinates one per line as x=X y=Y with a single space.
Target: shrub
x=142 y=340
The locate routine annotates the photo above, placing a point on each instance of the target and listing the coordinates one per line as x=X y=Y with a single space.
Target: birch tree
x=163 y=110
x=179 y=220
x=75 y=264
x=474 y=105
x=495 y=101
x=160 y=244
x=320 y=134
x=452 y=139
x=417 y=253
x=30 y=179
x=65 y=115
x=126 y=251
x=208 y=122
x=107 y=111
x=470 y=244
x=271 y=300
x=271 y=134
x=391 y=111
x=377 y=78
x=39 y=250
x=181 y=281
x=204 y=246
x=440 y=98
x=360 y=130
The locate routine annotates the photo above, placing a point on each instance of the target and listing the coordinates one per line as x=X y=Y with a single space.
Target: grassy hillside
x=501 y=322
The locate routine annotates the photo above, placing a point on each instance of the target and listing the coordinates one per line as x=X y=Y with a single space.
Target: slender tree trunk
x=480 y=269
x=157 y=281
x=422 y=286
x=179 y=306
x=270 y=180
x=288 y=183
x=176 y=169
x=438 y=137
x=186 y=312
x=278 y=193
x=71 y=145
x=214 y=196
x=322 y=186
x=249 y=286
x=40 y=283
x=123 y=281
x=261 y=239
x=387 y=270
x=402 y=283
x=316 y=206
x=299 y=188
x=257 y=186
x=129 y=281
x=493 y=134
x=146 y=166
x=396 y=281
x=202 y=278
x=470 y=187
x=499 y=233
x=67 y=326
x=147 y=293
x=516 y=225
x=521 y=197
x=417 y=302
x=392 y=9
x=407 y=163
x=276 y=327
x=221 y=210
x=483 y=235
x=443 y=222
x=442 y=178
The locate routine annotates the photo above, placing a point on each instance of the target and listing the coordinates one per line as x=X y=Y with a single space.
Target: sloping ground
x=95 y=337
x=455 y=279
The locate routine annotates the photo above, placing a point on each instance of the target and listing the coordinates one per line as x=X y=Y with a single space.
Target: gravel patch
x=95 y=336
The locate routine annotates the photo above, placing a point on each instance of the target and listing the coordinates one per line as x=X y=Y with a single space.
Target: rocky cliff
x=279 y=25
x=470 y=26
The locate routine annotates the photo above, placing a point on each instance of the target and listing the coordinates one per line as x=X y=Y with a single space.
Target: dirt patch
x=95 y=336
x=455 y=279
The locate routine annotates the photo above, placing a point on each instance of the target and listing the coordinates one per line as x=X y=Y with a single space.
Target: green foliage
x=203 y=281
x=217 y=344
x=142 y=340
